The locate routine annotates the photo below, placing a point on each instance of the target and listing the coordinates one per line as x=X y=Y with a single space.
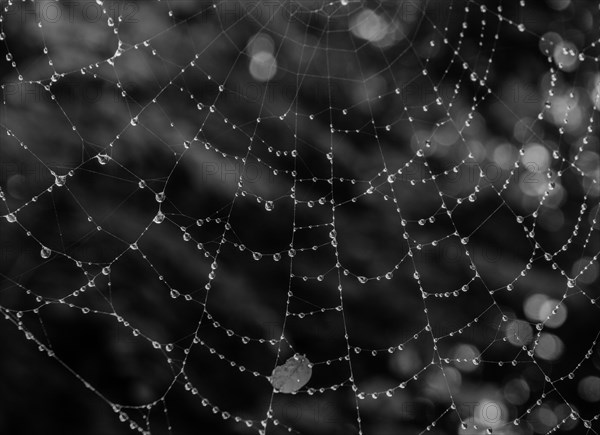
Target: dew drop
x=103 y=158
x=159 y=218
x=45 y=252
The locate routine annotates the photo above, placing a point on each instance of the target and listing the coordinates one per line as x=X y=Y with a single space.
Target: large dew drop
x=103 y=158
x=159 y=218
x=292 y=375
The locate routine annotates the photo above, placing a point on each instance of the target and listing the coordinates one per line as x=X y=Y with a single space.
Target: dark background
x=97 y=306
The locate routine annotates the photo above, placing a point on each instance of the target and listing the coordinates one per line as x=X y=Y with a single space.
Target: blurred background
x=406 y=192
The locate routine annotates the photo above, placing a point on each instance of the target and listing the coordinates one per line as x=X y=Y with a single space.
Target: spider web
x=404 y=192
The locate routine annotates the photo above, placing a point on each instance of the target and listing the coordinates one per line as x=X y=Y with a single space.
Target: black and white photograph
x=305 y=217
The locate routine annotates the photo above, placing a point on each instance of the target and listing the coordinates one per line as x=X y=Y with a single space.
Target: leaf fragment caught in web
x=291 y=375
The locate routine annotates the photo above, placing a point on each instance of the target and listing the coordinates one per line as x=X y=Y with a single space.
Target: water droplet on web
x=45 y=252
x=344 y=2
x=269 y=205
x=60 y=180
x=159 y=218
x=160 y=197
x=11 y=218
x=103 y=158
x=521 y=27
